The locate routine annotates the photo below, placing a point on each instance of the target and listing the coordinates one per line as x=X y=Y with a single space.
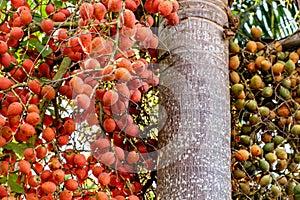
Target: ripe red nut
x=175 y=6
x=122 y=75
x=26 y=17
x=2 y=121
x=102 y=143
x=27 y=129
x=17 y=33
x=109 y=125
x=28 y=66
x=4 y=167
x=41 y=152
x=142 y=34
x=66 y=12
x=150 y=43
x=91 y=63
x=71 y=184
x=82 y=101
x=138 y=67
x=173 y=19
x=14 y=121
x=47 y=26
x=2 y=141
x=133 y=197
x=97 y=170
x=15 y=108
x=3 y=47
x=110 y=98
x=33 y=118
x=132 y=157
x=45 y=175
x=151 y=6
x=59 y=17
x=35 y=86
x=69 y=126
x=33 y=108
x=136 y=96
x=165 y=8
x=119 y=197
x=108 y=158
x=63 y=140
x=129 y=18
x=86 y=11
x=131 y=5
x=29 y=154
x=101 y=196
x=22 y=8
x=86 y=38
x=123 y=91
x=24 y=167
x=76 y=84
x=114 y=5
x=6 y=59
x=107 y=73
x=119 y=153
x=32 y=196
x=50 y=9
x=58 y=175
x=48 y=187
x=3 y=192
x=69 y=156
x=81 y=173
x=61 y=34
x=48 y=92
x=66 y=195
x=5 y=82
x=104 y=178
x=6 y=132
x=99 y=11
x=54 y=163
x=87 y=89
x=148 y=20
x=132 y=130
x=48 y=134
x=125 y=121
x=120 y=107
x=17 y=3
x=80 y=160
x=34 y=181
x=123 y=63
x=44 y=69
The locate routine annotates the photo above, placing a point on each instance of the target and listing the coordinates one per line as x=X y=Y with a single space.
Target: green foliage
x=18 y=148
x=277 y=19
x=14 y=185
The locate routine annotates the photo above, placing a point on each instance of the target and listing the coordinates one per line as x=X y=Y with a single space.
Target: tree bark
x=194 y=137
x=291 y=41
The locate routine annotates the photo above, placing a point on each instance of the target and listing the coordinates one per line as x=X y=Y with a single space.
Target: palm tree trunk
x=194 y=137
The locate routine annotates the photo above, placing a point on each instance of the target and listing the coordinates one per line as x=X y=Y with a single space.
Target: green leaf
x=45 y=39
x=44 y=80
x=43 y=10
x=45 y=51
x=58 y=3
x=3 y=4
x=37 y=18
x=33 y=41
x=14 y=186
x=17 y=147
x=2 y=179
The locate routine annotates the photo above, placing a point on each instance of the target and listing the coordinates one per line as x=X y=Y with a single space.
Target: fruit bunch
x=74 y=79
x=265 y=110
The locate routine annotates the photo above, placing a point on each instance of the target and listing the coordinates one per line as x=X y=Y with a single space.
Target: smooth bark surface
x=194 y=137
